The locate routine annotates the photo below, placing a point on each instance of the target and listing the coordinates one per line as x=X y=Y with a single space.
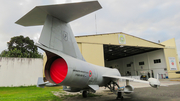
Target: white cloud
x=149 y=19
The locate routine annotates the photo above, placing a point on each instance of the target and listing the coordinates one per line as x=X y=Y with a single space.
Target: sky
x=152 y=20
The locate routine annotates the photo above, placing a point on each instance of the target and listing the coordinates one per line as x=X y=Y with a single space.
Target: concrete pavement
x=142 y=92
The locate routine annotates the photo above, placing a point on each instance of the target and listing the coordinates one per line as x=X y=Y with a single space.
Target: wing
x=151 y=81
x=126 y=78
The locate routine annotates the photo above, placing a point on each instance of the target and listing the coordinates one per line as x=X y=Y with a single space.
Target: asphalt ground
x=142 y=92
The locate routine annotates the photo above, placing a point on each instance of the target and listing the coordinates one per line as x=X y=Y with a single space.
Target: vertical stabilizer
x=58 y=35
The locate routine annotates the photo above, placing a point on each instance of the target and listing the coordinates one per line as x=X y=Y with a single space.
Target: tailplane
x=57 y=33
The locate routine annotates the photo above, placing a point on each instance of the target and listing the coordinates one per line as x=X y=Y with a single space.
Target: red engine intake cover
x=58 y=70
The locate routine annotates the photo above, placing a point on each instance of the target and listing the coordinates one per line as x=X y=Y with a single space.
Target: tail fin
x=56 y=33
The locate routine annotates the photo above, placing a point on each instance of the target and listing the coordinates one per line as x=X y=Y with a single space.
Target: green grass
x=93 y=95
x=31 y=93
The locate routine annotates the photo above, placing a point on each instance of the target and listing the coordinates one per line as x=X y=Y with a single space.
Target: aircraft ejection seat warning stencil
x=122 y=39
x=172 y=63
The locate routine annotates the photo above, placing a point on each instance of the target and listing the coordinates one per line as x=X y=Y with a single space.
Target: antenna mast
x=95 y=23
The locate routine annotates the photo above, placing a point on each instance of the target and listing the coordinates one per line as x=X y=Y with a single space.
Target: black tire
x=84 y=94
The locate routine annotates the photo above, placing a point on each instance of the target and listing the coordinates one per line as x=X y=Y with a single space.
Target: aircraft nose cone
x=58 y=70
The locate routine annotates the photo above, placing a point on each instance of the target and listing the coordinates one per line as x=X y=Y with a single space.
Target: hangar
x=130 y=54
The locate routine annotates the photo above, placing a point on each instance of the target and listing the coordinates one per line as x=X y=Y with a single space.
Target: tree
x=20 y=46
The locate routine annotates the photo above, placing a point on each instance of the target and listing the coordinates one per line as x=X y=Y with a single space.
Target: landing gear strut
x=84 y=94
x=111 y=85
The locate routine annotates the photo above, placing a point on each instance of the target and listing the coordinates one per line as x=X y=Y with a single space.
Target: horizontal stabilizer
x=42 y=84
x=64 y=12
x=94 y=87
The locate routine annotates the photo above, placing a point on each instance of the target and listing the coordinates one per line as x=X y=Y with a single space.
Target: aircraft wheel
x=122 y=98
x=84 y=94
x=119 y=95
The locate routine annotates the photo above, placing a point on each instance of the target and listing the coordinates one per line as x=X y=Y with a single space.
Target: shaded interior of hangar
x=113 y=52
x=135 y=61
x=122 y=59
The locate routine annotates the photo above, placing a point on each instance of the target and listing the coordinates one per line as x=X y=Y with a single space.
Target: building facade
x=130 y=54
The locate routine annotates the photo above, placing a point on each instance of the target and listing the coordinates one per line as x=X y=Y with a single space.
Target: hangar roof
x=112 y=39
x=113 y=49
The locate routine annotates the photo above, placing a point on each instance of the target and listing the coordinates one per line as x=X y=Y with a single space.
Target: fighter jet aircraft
x=65 y=64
